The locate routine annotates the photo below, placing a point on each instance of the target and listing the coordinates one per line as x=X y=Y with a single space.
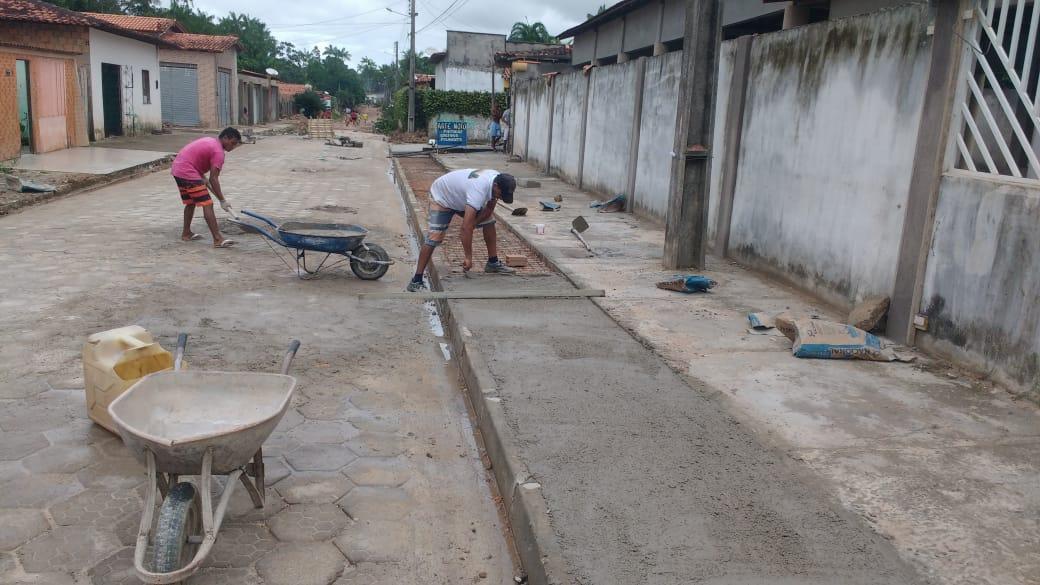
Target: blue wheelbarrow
x=347 y=242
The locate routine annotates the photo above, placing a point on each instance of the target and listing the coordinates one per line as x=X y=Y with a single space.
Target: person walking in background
x=495 y=128
x=190 y=168
x=507 y=126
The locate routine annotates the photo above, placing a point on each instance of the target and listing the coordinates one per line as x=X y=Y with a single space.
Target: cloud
x=367 y=29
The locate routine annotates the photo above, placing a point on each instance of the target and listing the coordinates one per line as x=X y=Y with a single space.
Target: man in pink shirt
x=193 y=162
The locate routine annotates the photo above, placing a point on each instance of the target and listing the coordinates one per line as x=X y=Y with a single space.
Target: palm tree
x=531 y=33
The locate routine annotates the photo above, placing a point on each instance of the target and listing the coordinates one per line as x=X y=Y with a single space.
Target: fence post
x=584 y=126
x=933 y=136
x=551 y=80
x=687 y=218
x=633 y=153
x=732 y=135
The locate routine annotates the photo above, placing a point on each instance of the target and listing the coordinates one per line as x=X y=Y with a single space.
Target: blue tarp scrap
x=693 y=283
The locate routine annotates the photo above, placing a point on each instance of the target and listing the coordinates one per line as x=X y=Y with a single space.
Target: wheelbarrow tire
x=368 y=271
x=179 y=519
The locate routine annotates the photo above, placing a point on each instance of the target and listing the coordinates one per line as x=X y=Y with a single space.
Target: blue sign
x=451 y=133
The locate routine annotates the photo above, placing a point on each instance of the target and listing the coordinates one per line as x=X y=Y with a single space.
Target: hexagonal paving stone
x=126 y=527
x=377 y=444
x=20 y=526
x=240 y=545
x=43 y=412
x=275 y=470
x=241 y=508
x=278 y=444
x=302 y=564
x=113 y=473
x=314 y=431
x=36 y=491
x=375 y=574
x=12 y=470
x=313 y=488
x=308 y=522
x=113 y=449
x=96 y=507
x=328 y=408
x=290 y=420
x=377 y=541
x=81 y=432
x=8 y=565
x=14 y=446
x=60 y=459
x=367 y=421
x=117 y=569
x=68 y=549
x=379 y=471
x=319 y=457
x=224 y=577
x=377 y=402
x=377 y=503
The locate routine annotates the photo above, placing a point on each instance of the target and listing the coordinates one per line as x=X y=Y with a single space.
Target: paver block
x=241 y=508
x=240 y=545
x=46 y=411
x=126 y=527
x=81 y=432
x=117 y=569
x=313 y=488
x=96 y=507
x=14 y=446
x=376 y=444
x=328 y=408
x=377 y=541
x=215 y=576
x=275 y=470
x=113 y=473
x=516 y=260
x=8 y=565
x=324 y=432
x=376 y=574
x=68 y=549
x=320 y=457
x=308 y=522
x=60 y=459
x=367 y=421
x=377 y=503
x=37 y=490
x=377 y=402
x=20 y=526
x=302 y=564
x=113 y=449
x=378 y=471
x=12 y=470
x=290 y=420
x=278 y=444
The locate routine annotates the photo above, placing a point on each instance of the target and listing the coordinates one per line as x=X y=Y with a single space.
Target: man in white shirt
x=472 y=194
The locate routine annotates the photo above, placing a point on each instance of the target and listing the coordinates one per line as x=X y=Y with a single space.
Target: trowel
x=578 y=227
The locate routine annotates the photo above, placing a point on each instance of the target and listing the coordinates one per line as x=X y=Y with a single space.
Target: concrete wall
x=827 y=150
x=641 y=27
x=612 y=95
x=473 y=50
x=719 y=146
x=138 y=117
x=674 y=21
x=844 y=8
x=734 y=11
x=582 y=49
x=477 y=127
x=466 y=79
x=538 y=135
x=657 y=135
x=568 y=116
x=982 y=285
x=609 y=43
x=208 y=65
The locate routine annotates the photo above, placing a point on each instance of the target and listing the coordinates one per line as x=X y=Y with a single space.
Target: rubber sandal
x=225 y=244
x=193 y=238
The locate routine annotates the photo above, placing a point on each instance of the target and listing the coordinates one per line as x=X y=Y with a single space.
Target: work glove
x=226 y=207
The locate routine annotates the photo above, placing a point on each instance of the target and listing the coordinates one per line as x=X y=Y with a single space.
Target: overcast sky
x=365 y=27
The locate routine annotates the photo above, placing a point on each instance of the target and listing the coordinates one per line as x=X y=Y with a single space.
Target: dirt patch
x=66 y=183
x=333 y=209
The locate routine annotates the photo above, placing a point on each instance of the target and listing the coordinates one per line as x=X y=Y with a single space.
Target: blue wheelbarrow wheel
x=366 y=270
x=179 y=520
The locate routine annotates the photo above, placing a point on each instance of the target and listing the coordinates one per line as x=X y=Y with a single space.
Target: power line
x=434 y=21
x=323 y=22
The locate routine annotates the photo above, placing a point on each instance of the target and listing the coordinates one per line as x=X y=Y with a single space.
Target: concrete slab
x=88 y=160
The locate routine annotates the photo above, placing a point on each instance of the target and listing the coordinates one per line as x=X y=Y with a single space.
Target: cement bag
x=826 y=340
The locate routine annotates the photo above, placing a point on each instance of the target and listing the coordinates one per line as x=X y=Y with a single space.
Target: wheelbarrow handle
x=182 y=344
x=290 y=353
x=262 y=218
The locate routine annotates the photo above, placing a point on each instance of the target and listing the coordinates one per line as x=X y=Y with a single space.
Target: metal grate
x=1001 y=106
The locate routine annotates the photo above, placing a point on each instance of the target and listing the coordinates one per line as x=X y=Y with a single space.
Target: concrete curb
x=101 y=182
x=536 y=542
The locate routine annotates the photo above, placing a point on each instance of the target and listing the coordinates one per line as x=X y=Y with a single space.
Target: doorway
x=24 y=105
x=111 y=99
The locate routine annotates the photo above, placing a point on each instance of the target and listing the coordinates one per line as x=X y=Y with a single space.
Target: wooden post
x=687 y=221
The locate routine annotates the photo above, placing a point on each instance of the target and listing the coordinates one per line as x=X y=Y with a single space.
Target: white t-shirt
x=463 y=187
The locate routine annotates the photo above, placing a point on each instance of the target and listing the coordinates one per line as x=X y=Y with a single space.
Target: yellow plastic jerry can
x=113 y=361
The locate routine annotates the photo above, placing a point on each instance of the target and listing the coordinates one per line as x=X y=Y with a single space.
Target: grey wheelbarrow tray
x=203 y=424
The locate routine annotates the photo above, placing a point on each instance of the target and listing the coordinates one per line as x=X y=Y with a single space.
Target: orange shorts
x=193 y=192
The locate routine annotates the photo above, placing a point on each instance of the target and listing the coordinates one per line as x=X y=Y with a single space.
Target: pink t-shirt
x=197 y=158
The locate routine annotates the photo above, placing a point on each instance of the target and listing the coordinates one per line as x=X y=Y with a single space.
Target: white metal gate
x=179 y=84
x=1000 y=134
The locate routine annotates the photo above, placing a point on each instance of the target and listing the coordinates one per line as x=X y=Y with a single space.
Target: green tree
x=193 y=19
x=259 y=47
x=531 y=33
x=105 y=6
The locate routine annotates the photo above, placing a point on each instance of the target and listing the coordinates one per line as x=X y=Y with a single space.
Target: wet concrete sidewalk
x=939 y=463
x=373 y=474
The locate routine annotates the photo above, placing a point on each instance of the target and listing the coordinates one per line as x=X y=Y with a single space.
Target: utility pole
x=411 y=72
x=687 y=220
x=397 y=70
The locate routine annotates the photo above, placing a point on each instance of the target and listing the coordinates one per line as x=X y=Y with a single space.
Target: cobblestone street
x=373 y=475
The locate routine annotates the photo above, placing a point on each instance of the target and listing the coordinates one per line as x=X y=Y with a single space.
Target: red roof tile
x=35 y=11
x=145 y=24
x=207 y=43
x=291 y=89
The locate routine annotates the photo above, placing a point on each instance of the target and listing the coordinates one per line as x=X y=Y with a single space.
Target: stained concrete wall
x=827 y=150
x=612 y=97
x=132 y=56
x=609 y=42
x=641 y=27
x=465 y=79
x=845 y=8
x=982 y=285
x=538 y=137
x=567 y=121
x=719 y=147
x=657 y=135
x=521 y=92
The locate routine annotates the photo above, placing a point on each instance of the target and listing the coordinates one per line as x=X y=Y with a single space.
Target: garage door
x=179 y=87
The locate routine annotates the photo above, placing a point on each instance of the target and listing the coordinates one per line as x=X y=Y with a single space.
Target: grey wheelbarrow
x=179 y=422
